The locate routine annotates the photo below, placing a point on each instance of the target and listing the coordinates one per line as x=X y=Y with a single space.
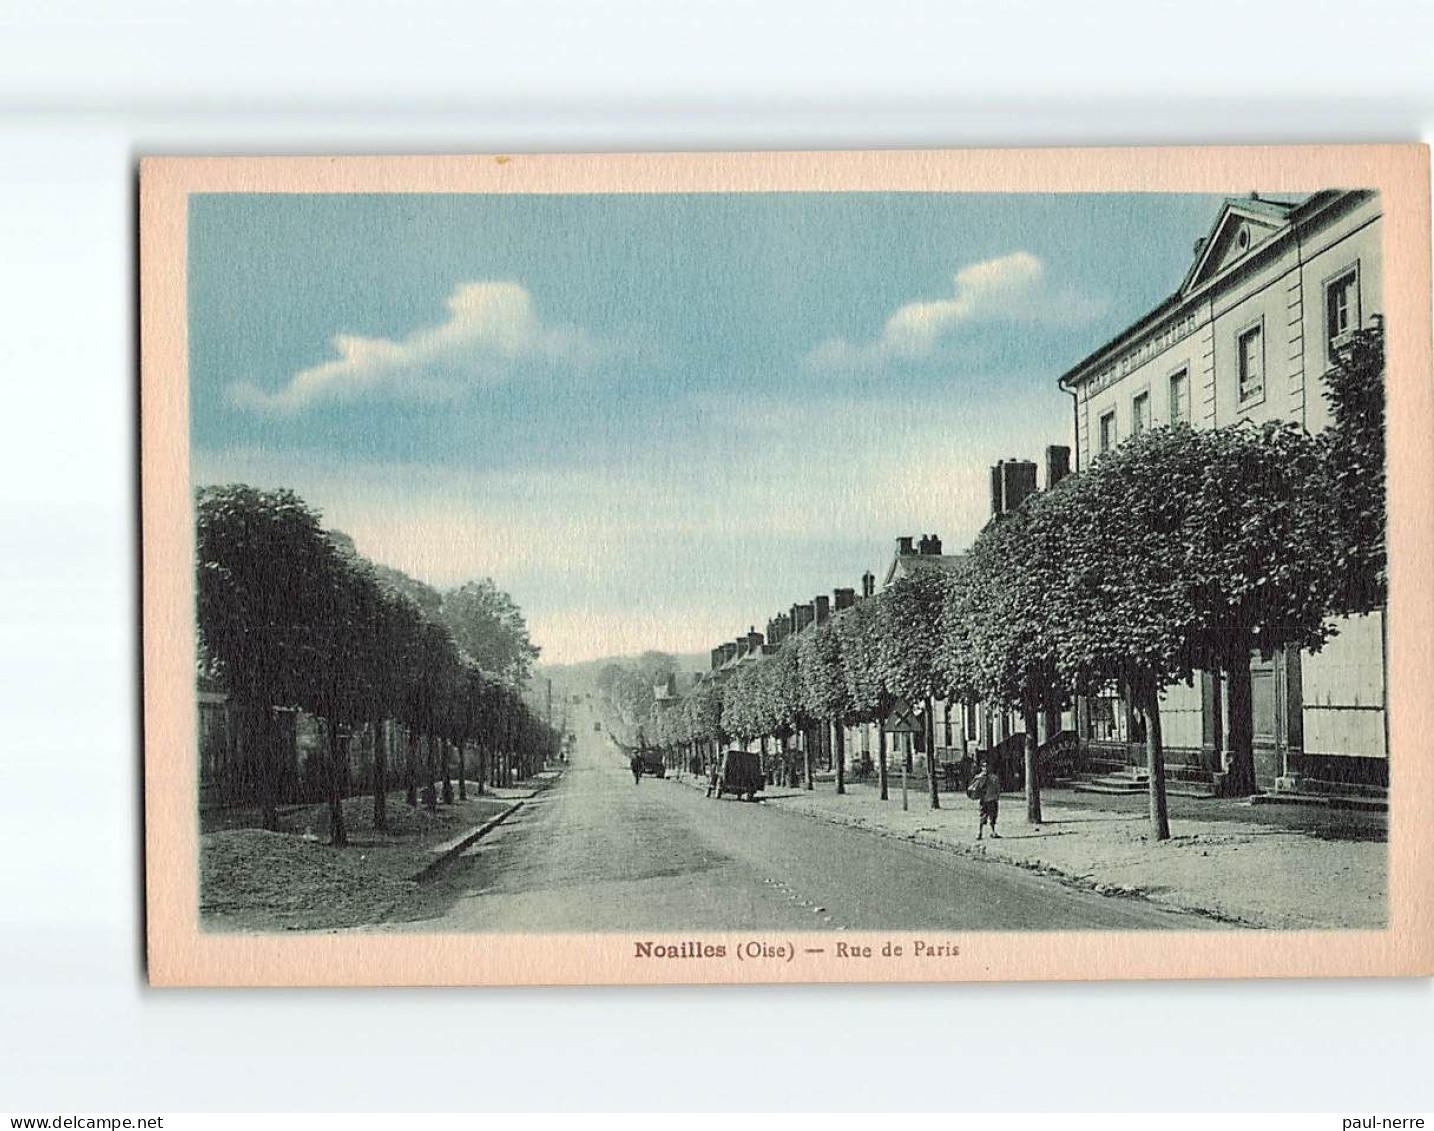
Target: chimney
x=802 y=615
x=717 y=657
x=903 y=547
x=868 y=584
x=754 y=639
x=930 y=545
x=843 y=599
x=823 y=606
x=739 y=647
x=1018 y=480
x=1058 y=464
x=996 y=489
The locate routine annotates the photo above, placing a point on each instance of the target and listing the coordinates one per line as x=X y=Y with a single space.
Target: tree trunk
x=411 y=769
x=338 y=835
x=463 y=771
x=881 y=758
x=430 y=775
x=932 y=766
x=1032 y=766
x=443 y=745
x=839 y=754
x=1155 y=763
x=807 y=757
x=1240 y=757
x=259 y=720
x=381 y=736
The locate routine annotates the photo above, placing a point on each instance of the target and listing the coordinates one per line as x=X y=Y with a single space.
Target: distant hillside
x=623 y=696
x=580 y=678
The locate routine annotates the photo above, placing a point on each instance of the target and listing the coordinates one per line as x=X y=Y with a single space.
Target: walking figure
x=985 y=787
x=636 y=766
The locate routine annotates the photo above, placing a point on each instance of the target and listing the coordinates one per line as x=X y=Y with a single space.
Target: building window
x=1140 y=413
x=1180 y=397
x=1341 y=306
x=1252 y=365
x=1107 y=717
x=1107 y=431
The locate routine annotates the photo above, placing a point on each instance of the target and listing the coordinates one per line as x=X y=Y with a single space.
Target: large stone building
x=1273 y=291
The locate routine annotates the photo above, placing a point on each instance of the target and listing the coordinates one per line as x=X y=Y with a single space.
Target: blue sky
x=654 y=420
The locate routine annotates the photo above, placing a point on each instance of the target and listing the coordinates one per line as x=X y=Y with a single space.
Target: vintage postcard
x=811 y=567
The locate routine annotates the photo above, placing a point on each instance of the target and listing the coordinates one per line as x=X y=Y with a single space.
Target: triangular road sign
x=902 y=719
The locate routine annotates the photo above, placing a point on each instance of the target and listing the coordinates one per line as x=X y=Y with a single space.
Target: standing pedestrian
x=985 y=787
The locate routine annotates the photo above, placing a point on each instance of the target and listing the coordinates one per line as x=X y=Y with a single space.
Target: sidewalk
x=253 y=880
x=1230 y=861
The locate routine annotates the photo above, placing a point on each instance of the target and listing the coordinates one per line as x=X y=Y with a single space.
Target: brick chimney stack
x=823 y=606
x=1058 y=464
x=1012 y=481
x=843 y=599
x=868 y=584
x=903 y=546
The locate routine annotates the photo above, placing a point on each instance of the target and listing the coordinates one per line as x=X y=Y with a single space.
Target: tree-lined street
x=598 y=853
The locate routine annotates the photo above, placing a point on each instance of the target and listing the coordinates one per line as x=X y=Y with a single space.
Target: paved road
x=598 y=853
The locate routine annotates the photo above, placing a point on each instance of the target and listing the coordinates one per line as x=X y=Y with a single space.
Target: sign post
x=902 y=720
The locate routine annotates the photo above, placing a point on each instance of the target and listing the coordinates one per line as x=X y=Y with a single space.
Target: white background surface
x=85 y=87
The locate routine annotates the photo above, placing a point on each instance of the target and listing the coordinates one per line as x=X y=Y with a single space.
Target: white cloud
x=1011 y=288
x=686 y=542
x=491 y=326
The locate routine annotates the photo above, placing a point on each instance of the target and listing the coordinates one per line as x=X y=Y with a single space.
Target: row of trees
x=291 y=616
x=1179 y=551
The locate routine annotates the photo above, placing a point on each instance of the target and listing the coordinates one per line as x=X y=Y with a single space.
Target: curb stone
x=1077 y=881
x=453 y=848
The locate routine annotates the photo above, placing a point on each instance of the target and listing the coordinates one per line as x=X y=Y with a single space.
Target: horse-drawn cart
x=738 y=773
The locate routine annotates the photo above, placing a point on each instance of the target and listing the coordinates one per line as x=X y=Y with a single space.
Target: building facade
x=1274 y=291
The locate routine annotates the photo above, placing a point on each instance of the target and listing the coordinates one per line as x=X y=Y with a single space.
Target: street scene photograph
x=789 y=561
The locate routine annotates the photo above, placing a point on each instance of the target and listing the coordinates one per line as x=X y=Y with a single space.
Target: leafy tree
x=365 y=634
x=1262 y=562
x=908 y=635
x=1355 y=450
x=264 y=570
x=824 y=691
x=429 y=688
x=858 y=630
x=489 y=627
x=780 y=703
x=741 y=704
x=398 y=626
x=703 y=712
x=1004 y=615
x=1185 y=550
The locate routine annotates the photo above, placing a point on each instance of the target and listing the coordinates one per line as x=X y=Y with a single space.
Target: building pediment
x=1242 y=226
